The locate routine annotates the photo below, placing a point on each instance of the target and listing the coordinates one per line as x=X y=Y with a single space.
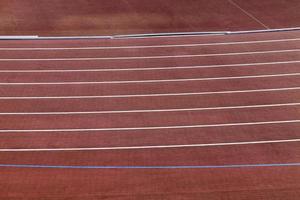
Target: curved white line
x=154 y=146
x=151 y=95
x=145 y=46
x=153 y=81
x=148 y=128
x=151 y=111
x=148 y=68
x=153 y=57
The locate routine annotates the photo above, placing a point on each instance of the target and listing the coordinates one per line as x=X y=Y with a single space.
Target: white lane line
x=150 y=95
x=149 y=127
x=146 y=46
x=149 y=68
x=153 y=57
x=153 y=81
x=152 y=110
x=155 y=146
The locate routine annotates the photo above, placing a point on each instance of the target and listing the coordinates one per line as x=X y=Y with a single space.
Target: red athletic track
x=231 y=183
x=108 y=17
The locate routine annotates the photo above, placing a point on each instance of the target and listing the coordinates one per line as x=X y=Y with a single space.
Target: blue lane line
x=152 y=167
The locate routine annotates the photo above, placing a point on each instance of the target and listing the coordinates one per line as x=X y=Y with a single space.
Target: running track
x=198 y=117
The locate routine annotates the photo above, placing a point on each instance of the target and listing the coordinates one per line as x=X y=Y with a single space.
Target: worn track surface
x=95 y=17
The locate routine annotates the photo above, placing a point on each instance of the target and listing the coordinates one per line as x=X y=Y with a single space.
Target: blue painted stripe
x=152 y=167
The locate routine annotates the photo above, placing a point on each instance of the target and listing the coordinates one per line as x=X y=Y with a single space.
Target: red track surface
x=278 y=71
x=94 y=17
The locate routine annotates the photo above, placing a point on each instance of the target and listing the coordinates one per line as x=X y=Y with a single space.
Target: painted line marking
x=248 y=14
x=154 y=147
x=151 y=111
x=151 y=81
x=151 y=95
x=150 y=127
x=146 y=46
x=151 y=167
x=170 y=35
x=148 y=68
x=202 y=34
x=194 y=34
x=153 y=57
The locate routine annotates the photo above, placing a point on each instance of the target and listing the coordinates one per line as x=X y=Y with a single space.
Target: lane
x=153 y=127
x=163 y=146
x=155 y=110
x=147 y=46
x=247 y=154
x=157 y=89
x=155 y=56
x=136 y=75
x=138 y=121
x=150 y=137
x=153 y=80
x=150 y=63
x=150 y=103
x=144 y=52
